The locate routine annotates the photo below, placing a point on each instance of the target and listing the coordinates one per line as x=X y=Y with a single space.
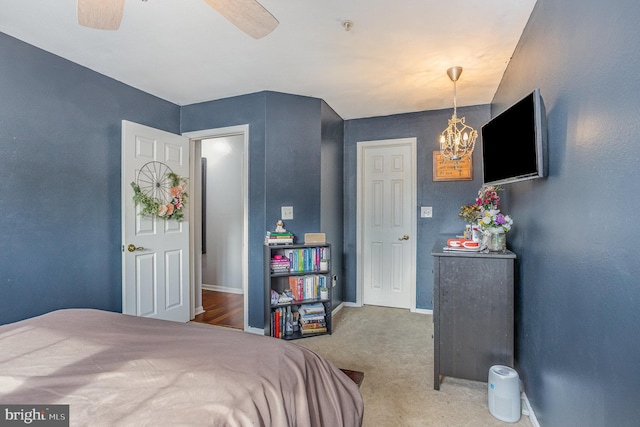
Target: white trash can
x=504 y=393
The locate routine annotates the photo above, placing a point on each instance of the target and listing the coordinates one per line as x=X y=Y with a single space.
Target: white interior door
x=387 y=222
x=155 y=276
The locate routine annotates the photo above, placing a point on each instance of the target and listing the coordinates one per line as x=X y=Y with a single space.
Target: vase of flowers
x=495 y=240
x=494 y=224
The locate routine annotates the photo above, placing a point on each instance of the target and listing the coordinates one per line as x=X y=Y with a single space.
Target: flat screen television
x=514 y=143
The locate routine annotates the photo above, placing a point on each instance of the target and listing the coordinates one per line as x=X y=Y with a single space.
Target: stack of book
x=307 y=287
x=279 y=264
x=312 y=319
x=277 y=323
x=273 y=238
x=308 y=259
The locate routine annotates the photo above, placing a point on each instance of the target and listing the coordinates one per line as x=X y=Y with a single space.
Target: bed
x=114 y=369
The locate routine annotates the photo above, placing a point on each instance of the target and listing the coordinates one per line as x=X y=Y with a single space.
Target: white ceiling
x=393 y=60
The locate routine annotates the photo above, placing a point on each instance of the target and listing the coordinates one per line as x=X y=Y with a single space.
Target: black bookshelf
x=309 y=270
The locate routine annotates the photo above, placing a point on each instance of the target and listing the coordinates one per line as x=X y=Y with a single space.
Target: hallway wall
x=222 y=262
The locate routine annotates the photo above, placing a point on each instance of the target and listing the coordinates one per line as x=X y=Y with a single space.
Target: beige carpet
x=394 y=349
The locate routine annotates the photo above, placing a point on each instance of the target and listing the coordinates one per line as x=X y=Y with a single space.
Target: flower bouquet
x=470 y=213
x=493 y=223
x=490 y=216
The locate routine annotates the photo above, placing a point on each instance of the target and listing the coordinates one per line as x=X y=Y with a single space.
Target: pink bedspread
x=113 y=369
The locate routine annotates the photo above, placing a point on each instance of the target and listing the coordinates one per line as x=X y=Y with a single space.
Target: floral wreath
x=159 y=207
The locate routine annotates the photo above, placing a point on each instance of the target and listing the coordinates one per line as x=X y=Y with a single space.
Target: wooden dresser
x=472 y=312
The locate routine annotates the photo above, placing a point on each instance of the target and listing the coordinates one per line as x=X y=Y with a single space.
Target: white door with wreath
x=155 y=230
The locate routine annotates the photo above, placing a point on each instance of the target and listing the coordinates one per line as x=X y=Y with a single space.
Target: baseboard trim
x=532 y=415
x=253 y=330
x=337 y=309
x=417 y=310
x=199 y=310
x=219 y=288
x=333 y=312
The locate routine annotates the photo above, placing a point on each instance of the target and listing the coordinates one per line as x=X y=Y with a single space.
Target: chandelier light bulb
x=458 y=139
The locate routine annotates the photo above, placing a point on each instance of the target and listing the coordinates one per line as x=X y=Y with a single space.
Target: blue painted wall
x=60 y=138
x=331 y=193
x=293 y=162
x=445 y=197
x=248 y=109
x=285 y=134
x=60 y=128
x=576 y=232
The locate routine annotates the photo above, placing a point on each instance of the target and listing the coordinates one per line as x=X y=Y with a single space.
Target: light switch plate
x=426 y=212
x=286 y=212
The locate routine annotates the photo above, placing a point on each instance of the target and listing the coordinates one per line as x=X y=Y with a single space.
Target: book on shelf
x=311 y=319
x=307 y=287
x=315 y=308
x=273 y=238
x=279 y=264
x=274 y=322
x=279 y=322
x=313 y=325
x=308 y=259
x=278 y=317
x=275 y=242
x=279 y=234
x=313 y=331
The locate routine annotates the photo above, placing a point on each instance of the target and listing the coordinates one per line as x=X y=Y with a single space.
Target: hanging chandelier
x=458 y=139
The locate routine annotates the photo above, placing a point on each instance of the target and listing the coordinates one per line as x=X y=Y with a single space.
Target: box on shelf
x=315 y=238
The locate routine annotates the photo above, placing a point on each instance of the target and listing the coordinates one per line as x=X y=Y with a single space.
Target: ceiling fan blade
x=100 y=14
x=248 y=15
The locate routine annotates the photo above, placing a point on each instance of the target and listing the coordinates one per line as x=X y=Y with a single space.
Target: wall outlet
x=286 y=212
x=426 y=212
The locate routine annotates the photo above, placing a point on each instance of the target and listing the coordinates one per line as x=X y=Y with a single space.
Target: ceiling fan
x=248 y=15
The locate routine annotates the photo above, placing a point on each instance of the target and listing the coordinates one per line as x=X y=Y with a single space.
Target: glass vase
x=495 y=240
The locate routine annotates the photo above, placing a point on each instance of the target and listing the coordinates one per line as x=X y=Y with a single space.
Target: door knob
x=405 y=237
x=133 y=247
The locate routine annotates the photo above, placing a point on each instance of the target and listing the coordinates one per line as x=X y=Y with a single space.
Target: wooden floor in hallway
x=222 y=309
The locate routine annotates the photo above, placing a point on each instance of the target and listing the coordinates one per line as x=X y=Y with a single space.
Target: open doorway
x=219 y=197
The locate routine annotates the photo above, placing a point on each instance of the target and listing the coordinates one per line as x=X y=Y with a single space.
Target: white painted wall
x=222 y=264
